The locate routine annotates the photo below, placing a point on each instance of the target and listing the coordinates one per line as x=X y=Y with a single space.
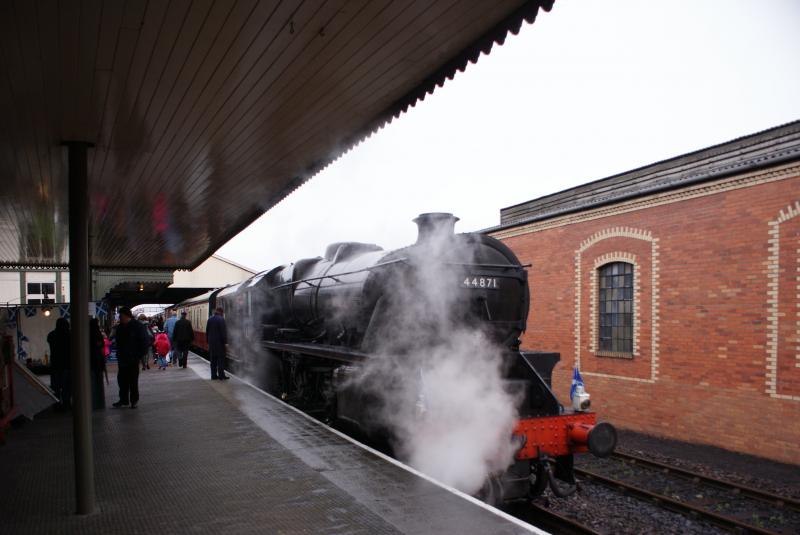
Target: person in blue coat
x=217 y=337
x=169 y=328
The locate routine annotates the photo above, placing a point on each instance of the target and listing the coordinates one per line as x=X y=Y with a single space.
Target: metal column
x=59 y=296
x=79 y=318
x=23 y=288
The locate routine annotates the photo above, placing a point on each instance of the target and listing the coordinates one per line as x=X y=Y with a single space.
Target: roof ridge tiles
x=766 y=148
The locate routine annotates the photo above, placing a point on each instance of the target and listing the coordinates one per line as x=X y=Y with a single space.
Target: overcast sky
x=589 y=90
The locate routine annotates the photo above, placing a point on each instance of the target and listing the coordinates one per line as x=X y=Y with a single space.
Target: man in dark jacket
x=131 y=345
x=183 y=336
x=60 y=355
x=217 y=337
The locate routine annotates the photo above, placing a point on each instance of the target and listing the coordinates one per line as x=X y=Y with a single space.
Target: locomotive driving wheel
x=293 y=382
x=492 y=491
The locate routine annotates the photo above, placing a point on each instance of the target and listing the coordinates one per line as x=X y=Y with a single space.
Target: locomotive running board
x=319 y=350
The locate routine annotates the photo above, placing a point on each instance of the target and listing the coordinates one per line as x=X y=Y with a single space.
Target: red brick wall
x=709 y=331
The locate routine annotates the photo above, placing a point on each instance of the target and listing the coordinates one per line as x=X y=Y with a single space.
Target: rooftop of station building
x=771 y=147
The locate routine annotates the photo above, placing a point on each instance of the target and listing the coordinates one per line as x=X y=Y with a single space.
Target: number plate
x=487 y=283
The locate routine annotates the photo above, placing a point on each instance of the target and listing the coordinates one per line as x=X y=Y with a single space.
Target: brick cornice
x=657 y=199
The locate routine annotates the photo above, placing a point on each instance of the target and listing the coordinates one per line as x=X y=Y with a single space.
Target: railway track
x=561 y=524
x=725 y=504
x=549 y=520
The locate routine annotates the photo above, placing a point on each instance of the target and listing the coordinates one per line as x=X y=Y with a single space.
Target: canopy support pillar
x=79 y=318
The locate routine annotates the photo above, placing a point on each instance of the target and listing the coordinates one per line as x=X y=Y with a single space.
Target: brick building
x=676 y=290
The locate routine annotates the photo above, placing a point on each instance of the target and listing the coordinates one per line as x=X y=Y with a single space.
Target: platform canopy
x=204 y=114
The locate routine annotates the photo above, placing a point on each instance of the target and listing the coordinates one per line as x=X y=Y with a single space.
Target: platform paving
x=202 y=456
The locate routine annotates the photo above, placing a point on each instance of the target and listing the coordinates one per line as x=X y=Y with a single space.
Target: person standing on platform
x=60 y=354
x=150 y=339
x=107 y=344
x=217 y=336
x=132 y=344
x=169 y=327
x=162 y=349
x=97 y=364
x=184 y=336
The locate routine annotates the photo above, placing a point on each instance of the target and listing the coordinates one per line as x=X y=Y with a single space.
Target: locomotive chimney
x=434 y=225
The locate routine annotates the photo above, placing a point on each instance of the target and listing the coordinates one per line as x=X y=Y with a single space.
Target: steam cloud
x=440 y=379
x=437 y=379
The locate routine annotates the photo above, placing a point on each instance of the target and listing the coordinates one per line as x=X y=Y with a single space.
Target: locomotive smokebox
x=435 y=226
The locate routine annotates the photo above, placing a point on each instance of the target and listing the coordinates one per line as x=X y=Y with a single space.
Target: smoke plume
x=437 y=374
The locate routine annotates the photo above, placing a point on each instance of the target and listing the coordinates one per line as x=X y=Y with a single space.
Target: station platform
x=202 y=456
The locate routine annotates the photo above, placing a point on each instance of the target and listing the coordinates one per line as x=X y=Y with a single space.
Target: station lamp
x=46 y=310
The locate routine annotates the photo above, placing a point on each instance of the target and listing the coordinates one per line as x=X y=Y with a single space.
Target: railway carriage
x=198 y=309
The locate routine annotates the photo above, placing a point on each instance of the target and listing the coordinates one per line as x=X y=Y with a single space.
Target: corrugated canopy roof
x=204 y=114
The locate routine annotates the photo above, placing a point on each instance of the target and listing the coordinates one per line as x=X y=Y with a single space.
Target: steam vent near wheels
x=674 y=288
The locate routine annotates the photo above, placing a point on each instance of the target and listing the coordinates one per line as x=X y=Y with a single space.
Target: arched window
x=615 y=307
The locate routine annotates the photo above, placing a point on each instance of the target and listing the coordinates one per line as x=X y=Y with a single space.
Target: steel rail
x=743 y=490
x=546 y=519
x=674 y=505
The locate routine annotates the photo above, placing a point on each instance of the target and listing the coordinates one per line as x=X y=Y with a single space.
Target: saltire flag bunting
x=30 y=312
x=577 y=380
x=100 y=309
x=21 y=338
x=63 y=310
x=12 y=316
x=21 y=353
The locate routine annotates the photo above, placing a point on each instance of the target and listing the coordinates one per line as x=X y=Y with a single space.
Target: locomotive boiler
x=331 y=327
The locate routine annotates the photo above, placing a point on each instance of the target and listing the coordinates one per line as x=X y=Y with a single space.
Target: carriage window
x=616 y=307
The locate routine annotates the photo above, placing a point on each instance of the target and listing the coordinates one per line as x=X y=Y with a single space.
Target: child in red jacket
x=162 y=348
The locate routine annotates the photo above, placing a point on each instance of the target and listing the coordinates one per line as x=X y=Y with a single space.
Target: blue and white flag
x=63 y=310
x=100 y=309
x=12 y=317
x=577 y=380
x=30 y=312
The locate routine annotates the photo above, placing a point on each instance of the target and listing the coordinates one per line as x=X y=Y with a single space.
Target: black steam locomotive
x=327 y=334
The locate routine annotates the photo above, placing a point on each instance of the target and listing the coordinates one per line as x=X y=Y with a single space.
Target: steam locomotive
x=341 y=336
